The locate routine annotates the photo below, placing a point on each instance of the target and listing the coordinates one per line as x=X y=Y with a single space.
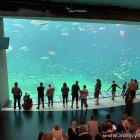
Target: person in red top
x=17 y=93
x=132 y=88
x=50 y=93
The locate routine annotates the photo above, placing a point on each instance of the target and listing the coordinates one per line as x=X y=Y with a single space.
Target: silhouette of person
x=97 y=90
x=17 y=93
x=75 y=90
x=132 y=88
x=50 y=93
x=113 y=87
x=27 y=102
x=129 y=105
x=124 y=87
x=65 y=91
x=137 y=84
x=40 y=90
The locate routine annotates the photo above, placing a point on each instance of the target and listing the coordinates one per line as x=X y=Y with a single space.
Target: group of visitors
x=128 y=91
x=125 y=129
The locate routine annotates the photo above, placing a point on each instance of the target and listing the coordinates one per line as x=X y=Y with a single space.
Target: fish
x=43 y=23
x=65 y=34
x=122 y=33
x=52 y=52
x=45 y=57
x=94 y=32
x=88 y=27
x=122 y=65
x=75 y=23
x=102 y=28
x=36 y=23
x=16 y=32
x=22 y=48
x=81 y=29
x=119 y=76
x=18 y=25
x=118 y=25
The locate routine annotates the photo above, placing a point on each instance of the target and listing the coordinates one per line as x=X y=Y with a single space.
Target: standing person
x=129 y=105
x=65 y=91
x=97 y=90
x=75 y=90
x=124 y=86
x=113 y=87
x=131 y=81
x=50 y=93
x=40 y=90
x=132 y=88
x=83 y=96
x=136 y=85
x=17 y=93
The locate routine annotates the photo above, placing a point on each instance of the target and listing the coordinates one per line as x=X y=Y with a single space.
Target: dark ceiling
x=132 y=4
x=122 y=10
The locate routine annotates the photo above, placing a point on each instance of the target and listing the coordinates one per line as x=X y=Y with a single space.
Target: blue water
x=55 y=52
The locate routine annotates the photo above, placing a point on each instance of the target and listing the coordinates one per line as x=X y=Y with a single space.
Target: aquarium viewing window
x=54 y=52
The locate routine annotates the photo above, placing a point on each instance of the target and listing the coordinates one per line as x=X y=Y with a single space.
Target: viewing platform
x=105 y=101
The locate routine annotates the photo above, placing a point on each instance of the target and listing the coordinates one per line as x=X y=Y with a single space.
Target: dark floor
x=21 y=125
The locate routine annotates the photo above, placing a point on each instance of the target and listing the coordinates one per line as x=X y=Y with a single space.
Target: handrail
x=58 y=98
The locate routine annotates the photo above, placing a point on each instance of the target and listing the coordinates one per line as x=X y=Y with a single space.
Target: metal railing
x=58 y=98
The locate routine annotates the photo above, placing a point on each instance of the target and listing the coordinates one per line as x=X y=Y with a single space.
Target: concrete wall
x=4 y=91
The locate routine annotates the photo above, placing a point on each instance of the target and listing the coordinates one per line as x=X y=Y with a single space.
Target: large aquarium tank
x=54 y=52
